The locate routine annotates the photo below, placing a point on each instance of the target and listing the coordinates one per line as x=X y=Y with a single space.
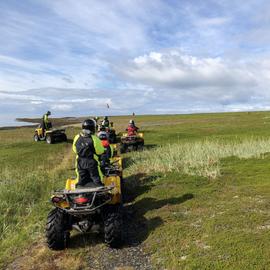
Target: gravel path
x=131 y=256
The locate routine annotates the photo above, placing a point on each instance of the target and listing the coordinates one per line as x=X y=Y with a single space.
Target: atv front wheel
x=36 y=138
x=113 y=226
x=56 y=229
x=140 y=147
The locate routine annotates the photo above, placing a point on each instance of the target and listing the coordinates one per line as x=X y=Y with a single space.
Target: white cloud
x=174 y=69
x=62 y=107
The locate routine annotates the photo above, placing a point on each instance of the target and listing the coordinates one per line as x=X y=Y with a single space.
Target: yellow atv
x=111 y=133
x=85 y=208
x=131 y=143
x=50 y=135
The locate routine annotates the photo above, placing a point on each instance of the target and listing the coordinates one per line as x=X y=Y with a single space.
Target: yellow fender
x=140 y=134
x=71 y=184
x=116 y=192
x=118 y=160
x=39 y=131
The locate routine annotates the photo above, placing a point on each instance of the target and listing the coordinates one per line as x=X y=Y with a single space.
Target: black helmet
x=48 y=113
x=106 y=117
x=89 y=124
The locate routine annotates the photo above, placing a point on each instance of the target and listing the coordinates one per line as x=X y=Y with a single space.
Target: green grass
x=200 y=158
x=28 y=173
x=202 y=189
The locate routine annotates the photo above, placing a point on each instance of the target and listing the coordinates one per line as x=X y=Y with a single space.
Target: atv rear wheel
x=56 y=229
x=64 y=138
x=36 y=138
x=123 y=148
x=113 y=226
x=49 y=139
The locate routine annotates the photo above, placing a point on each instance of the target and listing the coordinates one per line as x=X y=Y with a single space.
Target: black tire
x=36 y=138
x=56 y=229
x=113 y=226
x=49 y=139
x=64 y=138
x=140 y=146
x=123 y=148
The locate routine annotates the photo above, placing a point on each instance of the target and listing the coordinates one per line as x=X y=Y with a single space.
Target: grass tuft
x=201 y=158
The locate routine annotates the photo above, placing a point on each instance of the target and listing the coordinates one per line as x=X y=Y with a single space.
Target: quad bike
x=111 y=134
x=85 y=208
x=131 y=143
x=50 y=135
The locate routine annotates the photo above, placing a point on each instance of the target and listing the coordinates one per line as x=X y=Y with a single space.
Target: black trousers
x=88 y=172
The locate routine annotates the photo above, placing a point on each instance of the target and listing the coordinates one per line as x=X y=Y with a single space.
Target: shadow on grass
x=135 y=185
x=149 y=146
x=137 y=226
x=148 y=204
x=127 y=162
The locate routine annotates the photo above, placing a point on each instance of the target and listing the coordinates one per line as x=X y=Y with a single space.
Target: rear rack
x=83 y=190
x=87 y=209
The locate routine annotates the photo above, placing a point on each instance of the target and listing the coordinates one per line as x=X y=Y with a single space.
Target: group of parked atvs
x=90 y=208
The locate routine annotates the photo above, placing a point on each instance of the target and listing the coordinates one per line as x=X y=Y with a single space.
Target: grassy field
x=201 y=188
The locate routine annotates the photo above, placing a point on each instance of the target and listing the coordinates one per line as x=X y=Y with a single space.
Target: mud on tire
x=56 y=229
x=113 y=226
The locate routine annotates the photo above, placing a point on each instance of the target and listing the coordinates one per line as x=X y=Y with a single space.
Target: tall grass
x=200 y=158
x=28 y=173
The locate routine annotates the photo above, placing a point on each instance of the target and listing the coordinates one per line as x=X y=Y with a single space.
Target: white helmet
x=131 y=122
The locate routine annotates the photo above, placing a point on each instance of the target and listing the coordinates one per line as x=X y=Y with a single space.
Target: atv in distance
x=131 y=143
x=50 y=135
x=85 y=208
x=111 y=134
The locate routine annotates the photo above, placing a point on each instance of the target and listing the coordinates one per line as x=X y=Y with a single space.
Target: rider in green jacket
x=88 y=148
x=45 y=122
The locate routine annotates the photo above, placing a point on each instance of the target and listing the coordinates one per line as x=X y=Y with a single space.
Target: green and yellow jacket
x=87 y=148
x=45 y=120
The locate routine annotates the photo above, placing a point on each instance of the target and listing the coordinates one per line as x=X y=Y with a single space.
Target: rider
x=45 y=122
x=132 y=129
x=105 y=123
x=88 y=147
x=105 y=157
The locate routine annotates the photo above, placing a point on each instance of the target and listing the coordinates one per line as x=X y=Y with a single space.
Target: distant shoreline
x=70 y=120
x=15 y=127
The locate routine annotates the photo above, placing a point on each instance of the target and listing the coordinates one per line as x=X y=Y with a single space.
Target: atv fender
x=116 y=192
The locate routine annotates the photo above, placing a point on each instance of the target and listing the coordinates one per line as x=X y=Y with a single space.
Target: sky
x=148 y=57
